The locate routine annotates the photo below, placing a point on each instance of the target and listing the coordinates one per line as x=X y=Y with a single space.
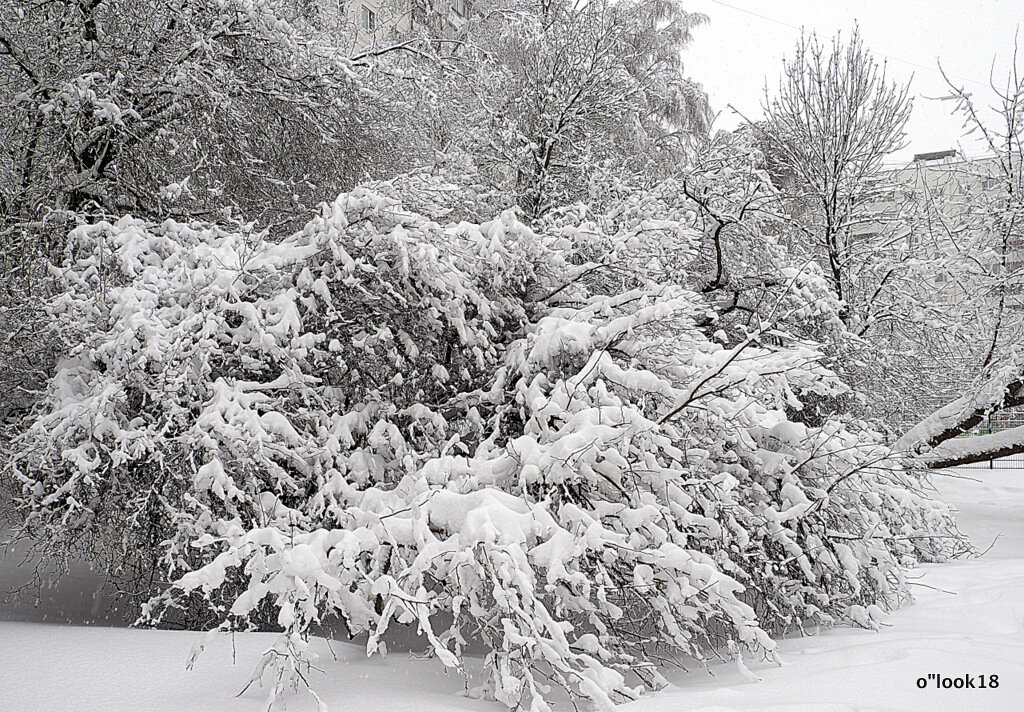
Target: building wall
x=395 y=19
x=926 y=206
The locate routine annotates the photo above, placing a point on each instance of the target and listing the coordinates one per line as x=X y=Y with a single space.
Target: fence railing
x=1011 y=462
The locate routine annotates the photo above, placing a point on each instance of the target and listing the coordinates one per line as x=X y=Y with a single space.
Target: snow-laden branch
x=362 y=420
x=961 y=415
x=936 y=438
x=977 y=448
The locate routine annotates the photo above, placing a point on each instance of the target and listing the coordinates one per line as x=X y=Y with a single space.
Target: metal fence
x=1011 y=462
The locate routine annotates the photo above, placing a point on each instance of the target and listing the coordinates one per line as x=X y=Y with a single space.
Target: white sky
x=741 y=49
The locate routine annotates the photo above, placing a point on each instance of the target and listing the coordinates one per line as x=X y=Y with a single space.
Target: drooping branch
x=977 y=448
x=956 y=418
x=938 y=437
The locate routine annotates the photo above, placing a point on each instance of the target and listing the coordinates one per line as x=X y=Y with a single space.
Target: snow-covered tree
x=176 y=108
x=198 y=109
x=835 y=118
x=558 y=88
x=541 y=438
x=983 y=220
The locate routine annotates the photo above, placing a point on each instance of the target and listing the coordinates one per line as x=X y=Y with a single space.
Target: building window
x=368 y=20
x=459 y=7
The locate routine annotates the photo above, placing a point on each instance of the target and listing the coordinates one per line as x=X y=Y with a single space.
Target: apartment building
x=931 y=206
x=372 y=22
x=943 y=180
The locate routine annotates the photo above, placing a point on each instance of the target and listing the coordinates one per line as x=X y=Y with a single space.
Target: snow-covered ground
x=968 y=619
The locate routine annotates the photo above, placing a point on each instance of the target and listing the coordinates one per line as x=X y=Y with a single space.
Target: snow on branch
x=372 y=421
x=959 y=416
x=977 y=448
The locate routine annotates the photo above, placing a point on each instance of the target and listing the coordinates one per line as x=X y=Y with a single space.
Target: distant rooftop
x=934 y=155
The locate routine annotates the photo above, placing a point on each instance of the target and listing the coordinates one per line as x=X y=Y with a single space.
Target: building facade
x=372 y=23
x=939 y=203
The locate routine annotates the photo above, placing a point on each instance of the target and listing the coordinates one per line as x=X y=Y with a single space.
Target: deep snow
x=968 y=618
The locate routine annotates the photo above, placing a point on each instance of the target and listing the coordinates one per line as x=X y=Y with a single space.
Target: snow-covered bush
x=537 y=439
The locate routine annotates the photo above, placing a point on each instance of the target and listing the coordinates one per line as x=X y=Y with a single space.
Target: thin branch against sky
x=740 y=52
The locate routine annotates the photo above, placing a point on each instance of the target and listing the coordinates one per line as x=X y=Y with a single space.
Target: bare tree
x=827 y=131
x=835 y=118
